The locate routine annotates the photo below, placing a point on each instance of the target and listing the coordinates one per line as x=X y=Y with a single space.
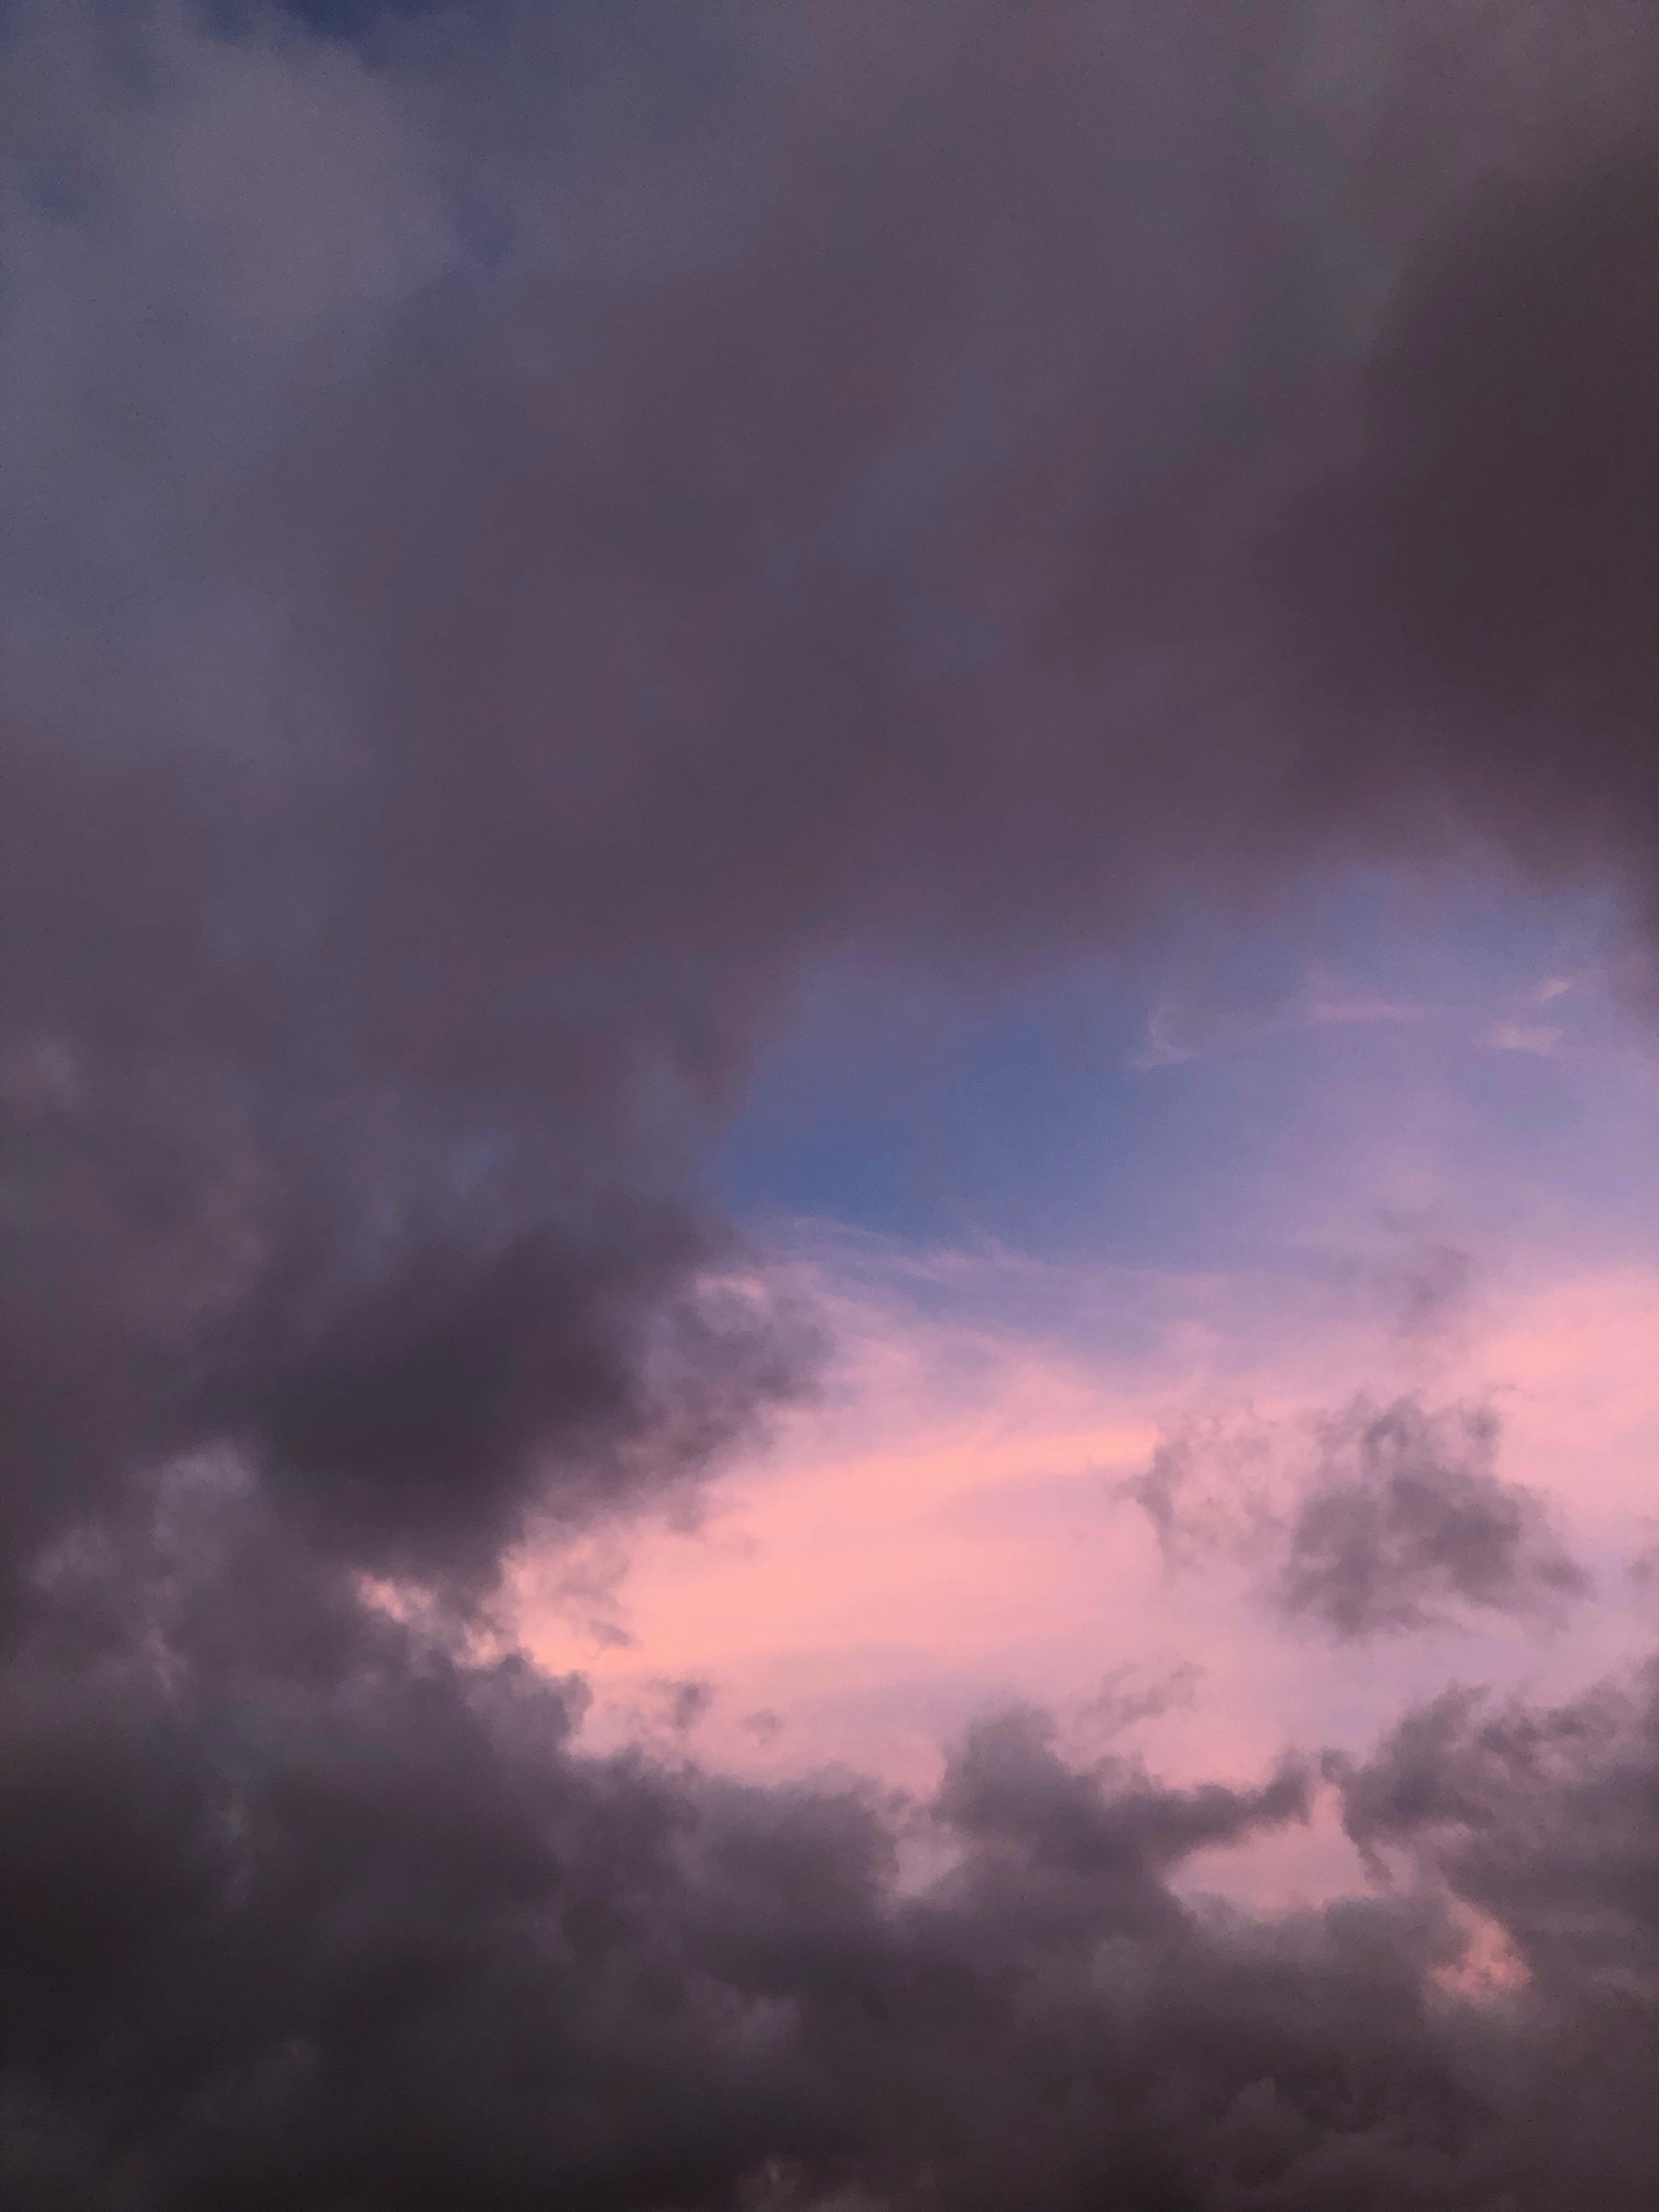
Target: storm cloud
x=525 y=532
x=303 y=1904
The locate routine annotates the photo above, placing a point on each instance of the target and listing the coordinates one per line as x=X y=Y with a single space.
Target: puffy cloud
x=1374 y=1521
x=302 y=1901
x=1405 y=1515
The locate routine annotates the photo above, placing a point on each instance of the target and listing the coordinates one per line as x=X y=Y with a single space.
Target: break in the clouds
x=526 y=531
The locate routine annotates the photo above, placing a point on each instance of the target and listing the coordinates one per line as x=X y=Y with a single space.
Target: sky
x=829 y=1079
x=1408 y=1164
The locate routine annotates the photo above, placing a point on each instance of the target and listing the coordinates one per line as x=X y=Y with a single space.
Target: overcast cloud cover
x=529 y=533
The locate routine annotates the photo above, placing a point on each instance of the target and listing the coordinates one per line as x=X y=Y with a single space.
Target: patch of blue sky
x=1369 y=1061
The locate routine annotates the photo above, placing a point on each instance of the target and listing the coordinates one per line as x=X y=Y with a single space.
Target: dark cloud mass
x=524 y=528
x=301 y=1906
x=1383 y=1521
x=1408 y=1515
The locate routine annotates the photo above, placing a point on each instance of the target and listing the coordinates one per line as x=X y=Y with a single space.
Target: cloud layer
x=1408 y=1513
x=522 y=537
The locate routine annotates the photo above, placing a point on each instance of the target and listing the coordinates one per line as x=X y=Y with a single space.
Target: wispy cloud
x=1184 y=1028
x=1539 y=1038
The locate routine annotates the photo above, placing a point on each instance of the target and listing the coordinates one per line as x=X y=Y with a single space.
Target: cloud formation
x=1396 y=1520
x=522 y=537
x=1407 y=1514
x=305 y=1905
x=505 y=579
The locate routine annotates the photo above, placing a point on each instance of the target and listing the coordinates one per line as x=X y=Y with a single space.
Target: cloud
x=525 y=536
x=1395 y=1522
x=1540 y=1037
x=1534 y=1816
x=1406 y=1516
x=450 y=695
x=1433 y=1289
x=304 y=1900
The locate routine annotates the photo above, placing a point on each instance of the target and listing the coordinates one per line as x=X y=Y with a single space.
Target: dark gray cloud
x=524 y=542
x=1387 y=1519
x=301 y=1905
x=1407 y=1516
x=521 y=535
